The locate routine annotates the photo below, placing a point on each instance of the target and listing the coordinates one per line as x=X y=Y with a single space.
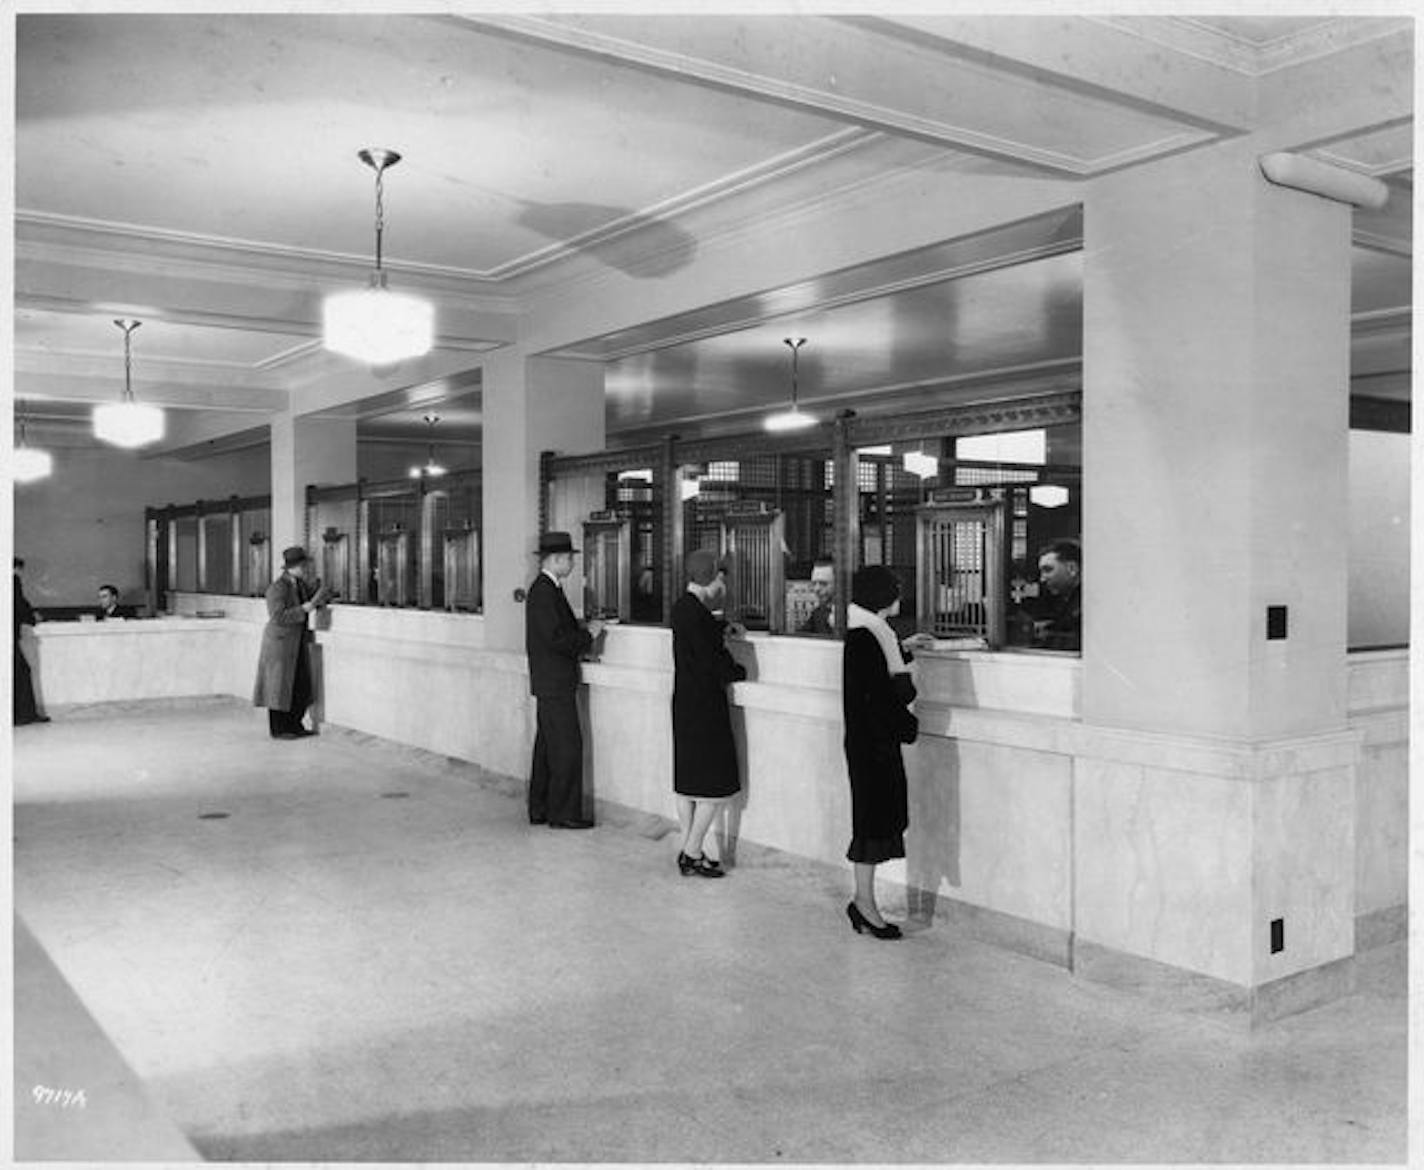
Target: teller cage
x=959 y=511
x=410 y=543
x=211 y=546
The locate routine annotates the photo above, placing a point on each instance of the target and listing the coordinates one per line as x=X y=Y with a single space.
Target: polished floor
x=338 y=950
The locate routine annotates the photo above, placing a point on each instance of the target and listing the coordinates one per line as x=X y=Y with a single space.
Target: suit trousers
x=291 y=718
x=24 y=707
x=556 y=778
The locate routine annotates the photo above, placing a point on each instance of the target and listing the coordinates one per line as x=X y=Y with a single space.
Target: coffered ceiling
x=198 y=171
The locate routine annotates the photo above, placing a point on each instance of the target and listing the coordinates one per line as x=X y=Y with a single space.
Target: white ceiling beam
x=907 y=84
x=1356 y=92
x=1083 y=55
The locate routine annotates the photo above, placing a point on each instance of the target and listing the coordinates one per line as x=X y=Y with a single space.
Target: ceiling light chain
x=380 y=160
x=794 y=418
x=128 y=327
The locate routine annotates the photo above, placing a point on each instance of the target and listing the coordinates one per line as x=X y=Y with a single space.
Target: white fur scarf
x=859 y=618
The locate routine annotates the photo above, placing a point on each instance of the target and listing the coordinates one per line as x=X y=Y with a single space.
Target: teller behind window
x=109 y=608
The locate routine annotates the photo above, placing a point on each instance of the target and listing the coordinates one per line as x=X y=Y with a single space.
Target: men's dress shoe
x=286 y=735
x=533 y=820
x=574 y=824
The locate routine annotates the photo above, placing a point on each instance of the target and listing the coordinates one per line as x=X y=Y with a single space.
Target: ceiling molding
x=846 y=141
x=81 y=242
x=1195 y=37
x=1382 y=323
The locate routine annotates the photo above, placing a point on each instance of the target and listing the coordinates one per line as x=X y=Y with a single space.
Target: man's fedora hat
x=293 y=556
x=556 y=542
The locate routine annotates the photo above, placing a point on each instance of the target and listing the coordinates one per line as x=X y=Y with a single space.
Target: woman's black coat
x=704 y=754
x=877 y=721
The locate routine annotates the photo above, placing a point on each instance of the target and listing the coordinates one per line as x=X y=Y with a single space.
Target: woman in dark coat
x=284 y=665
x=876 y=694
x=704 y=757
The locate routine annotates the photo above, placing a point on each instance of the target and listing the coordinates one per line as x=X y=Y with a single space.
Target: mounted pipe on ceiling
x=1318 y=178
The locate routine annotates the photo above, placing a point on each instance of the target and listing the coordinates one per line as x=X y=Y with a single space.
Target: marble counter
x=168 y=657
x=1028 y=824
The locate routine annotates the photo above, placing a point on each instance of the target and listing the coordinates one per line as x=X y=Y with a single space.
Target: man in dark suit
x=24 y=708
x=109 y=607
x=1060 y=572
x=555 y=640
x=822 y=619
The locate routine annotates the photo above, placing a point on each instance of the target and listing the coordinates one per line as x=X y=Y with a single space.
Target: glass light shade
x=29 y=464
x=1048 y=495
x=789 y=420
x=128 y=424
x=430 y=469
x=918 y=463
x=377 y=326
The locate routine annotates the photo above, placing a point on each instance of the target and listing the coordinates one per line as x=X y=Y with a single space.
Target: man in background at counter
x=284 y=684
x=555 y=640
x=822 y=619
x=1060 y=572
x=24 y=709
x=109 y=607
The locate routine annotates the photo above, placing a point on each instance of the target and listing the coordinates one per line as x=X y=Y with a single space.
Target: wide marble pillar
x=530 y=405
x=306 y=450
x=1213 y=802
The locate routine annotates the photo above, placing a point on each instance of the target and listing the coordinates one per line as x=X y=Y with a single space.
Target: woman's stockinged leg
x=865 y=892
x=685 y=806
x=704 y=812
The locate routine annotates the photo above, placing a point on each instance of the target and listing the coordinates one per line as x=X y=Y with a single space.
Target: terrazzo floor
x=336 y=949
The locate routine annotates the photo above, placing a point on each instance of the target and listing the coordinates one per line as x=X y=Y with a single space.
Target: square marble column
x=306 y=450
x=530 y=405
x=1214 y=795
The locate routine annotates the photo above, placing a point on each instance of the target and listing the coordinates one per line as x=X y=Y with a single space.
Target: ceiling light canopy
x=374 y=324
x=793 y=418
x=128 y=423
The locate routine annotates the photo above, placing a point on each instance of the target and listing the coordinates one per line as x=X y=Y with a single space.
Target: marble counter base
x=1217 y=999
x=1379 y=928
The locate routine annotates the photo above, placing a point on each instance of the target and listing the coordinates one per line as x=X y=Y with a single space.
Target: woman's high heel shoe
x=701 y=866
x=859 y=922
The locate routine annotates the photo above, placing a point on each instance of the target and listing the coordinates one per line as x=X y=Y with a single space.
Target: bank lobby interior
x=1139 y=281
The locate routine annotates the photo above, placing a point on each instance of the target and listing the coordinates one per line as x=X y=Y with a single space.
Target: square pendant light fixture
x=128 y=423
x=374 y=324
x=28 y=464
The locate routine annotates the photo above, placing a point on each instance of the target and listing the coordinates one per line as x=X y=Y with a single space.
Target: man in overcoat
x=284 y=683
x=554 y=640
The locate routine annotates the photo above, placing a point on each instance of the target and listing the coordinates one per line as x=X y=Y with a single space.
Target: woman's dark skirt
x=874 y=850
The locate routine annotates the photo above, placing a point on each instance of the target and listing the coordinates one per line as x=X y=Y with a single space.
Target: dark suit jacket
x=553 y=638
x=120 y=611
x=818 y=621
x=22 y=613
